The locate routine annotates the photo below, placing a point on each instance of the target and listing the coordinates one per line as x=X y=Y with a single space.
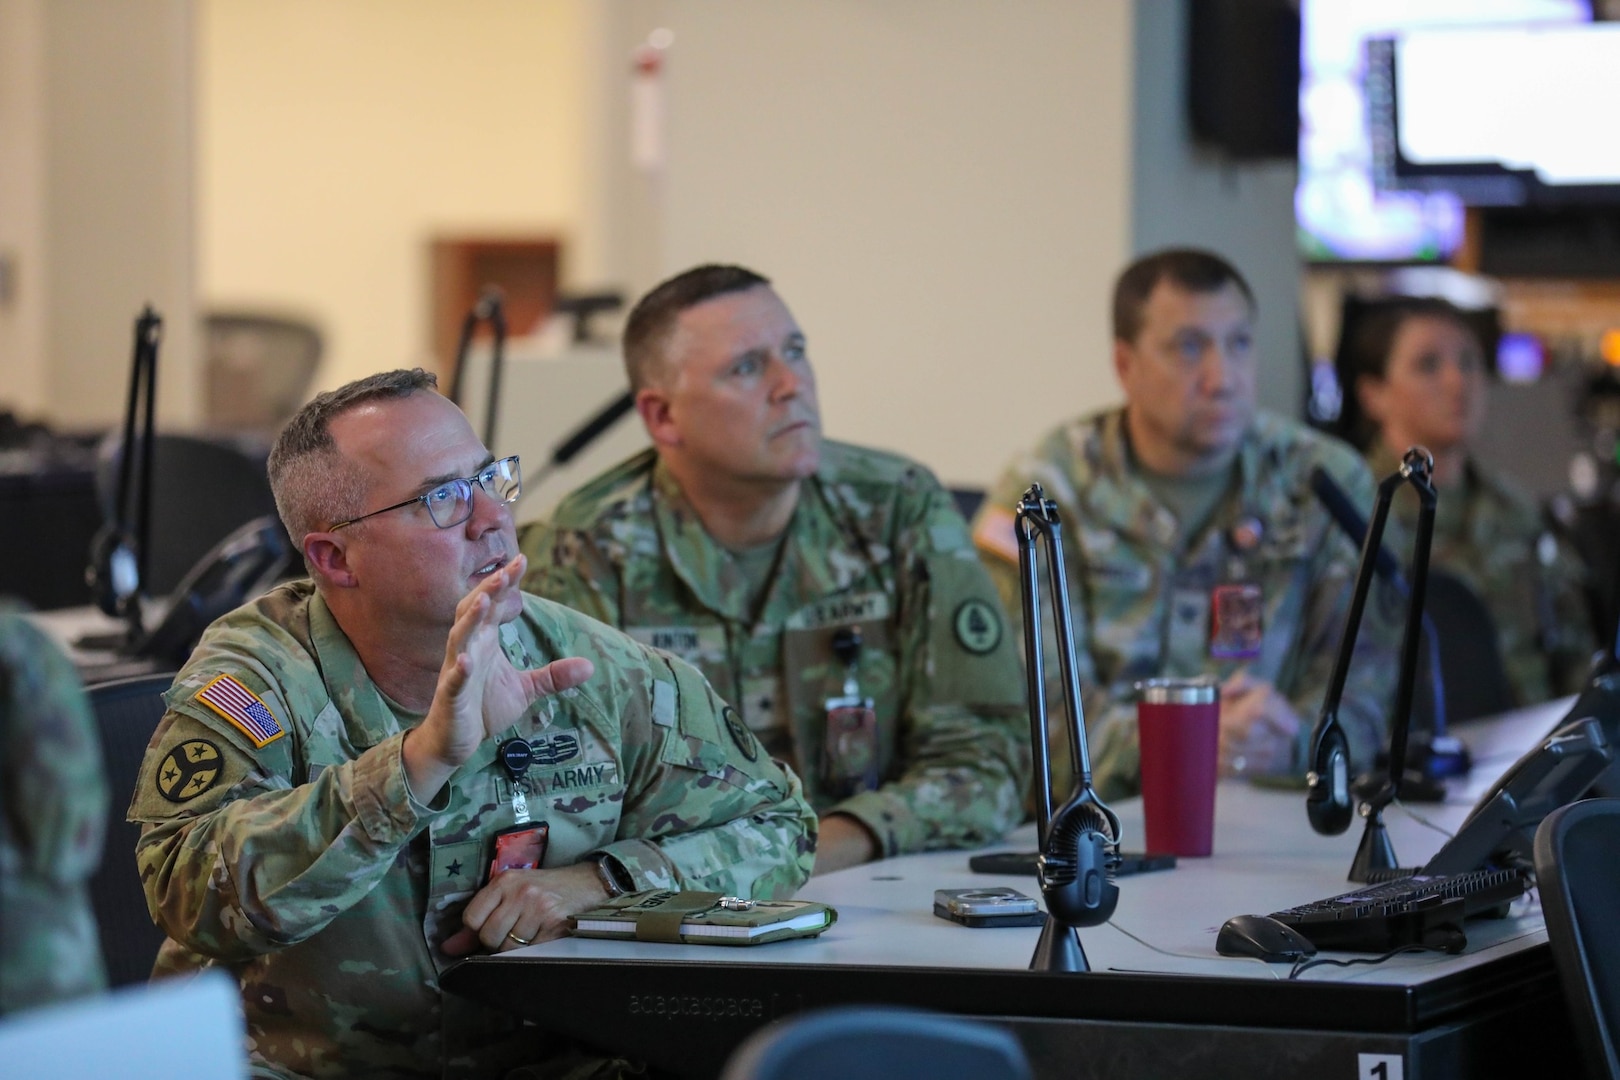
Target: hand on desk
x=843 y=842
x=532 y=905
x=1259 y=727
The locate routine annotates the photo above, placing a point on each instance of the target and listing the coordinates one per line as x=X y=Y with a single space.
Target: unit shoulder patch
x=977 y=625
x=189 y=770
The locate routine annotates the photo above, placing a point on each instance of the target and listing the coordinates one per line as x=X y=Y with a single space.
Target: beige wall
x=338 y=136
x=940 y=189
x=23 y=383
x=95 y=155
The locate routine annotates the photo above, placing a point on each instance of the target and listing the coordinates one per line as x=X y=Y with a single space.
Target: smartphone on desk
x=988 y=907
x=1022 y=863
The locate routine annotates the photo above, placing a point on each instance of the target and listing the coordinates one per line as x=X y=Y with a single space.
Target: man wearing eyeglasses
x=829 y=591
x=405 y=759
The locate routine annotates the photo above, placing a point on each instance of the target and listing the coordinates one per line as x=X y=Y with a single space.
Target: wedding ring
x=520 y=940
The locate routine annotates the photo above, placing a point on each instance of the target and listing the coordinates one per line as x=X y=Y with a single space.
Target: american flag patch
x=242 y=708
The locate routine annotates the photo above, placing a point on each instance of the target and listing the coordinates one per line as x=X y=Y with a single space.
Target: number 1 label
x=1379 y=1067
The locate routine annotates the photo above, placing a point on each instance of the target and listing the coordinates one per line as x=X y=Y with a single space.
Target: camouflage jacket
x=1489 y=534
x=1141 y=590
x=876 y=544
x=53 y=817
x=283 y=843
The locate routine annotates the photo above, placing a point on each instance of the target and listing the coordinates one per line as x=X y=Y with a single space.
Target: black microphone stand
x=1327 y=803
x=1079 y=844
x=119 y=556
x=491 y=308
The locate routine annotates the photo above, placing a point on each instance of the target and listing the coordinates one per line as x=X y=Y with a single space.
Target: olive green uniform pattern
x=1489 y=534
x=53 y=815
x=1140 y=589
x=307 y=868
x=876 y=543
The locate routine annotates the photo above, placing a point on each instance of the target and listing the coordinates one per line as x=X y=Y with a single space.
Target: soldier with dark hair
x=1415 y=375
x=829 y=590
x=1194 y=544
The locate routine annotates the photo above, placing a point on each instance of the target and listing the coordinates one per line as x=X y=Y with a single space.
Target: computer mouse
x=1264 y=938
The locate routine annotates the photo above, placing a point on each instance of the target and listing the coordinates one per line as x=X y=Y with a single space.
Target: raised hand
x=479 y=691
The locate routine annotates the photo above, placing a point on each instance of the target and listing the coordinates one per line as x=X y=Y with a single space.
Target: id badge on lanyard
x=521 y=846
x=850 y=753
x=1237 y=605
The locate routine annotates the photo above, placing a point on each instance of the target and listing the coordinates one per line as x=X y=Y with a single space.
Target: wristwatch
x=612 y=876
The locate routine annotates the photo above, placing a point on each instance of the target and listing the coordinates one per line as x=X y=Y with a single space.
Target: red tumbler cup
x=1179 y=724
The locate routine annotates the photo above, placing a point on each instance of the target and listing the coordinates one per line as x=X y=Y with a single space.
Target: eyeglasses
x=451 y=503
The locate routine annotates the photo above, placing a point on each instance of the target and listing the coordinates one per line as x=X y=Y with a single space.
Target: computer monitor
x=1344 y=212
x=1497 y=115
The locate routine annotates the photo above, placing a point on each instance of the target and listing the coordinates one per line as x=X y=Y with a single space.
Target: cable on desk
x=1421 y=820
x=1189 y=956
x=1305 y=964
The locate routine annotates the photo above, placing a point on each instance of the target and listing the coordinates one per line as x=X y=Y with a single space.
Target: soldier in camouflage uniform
x=1193 y=543
x=1415 y=371
x=831 y=591
x=321 y=798
x=53 y=807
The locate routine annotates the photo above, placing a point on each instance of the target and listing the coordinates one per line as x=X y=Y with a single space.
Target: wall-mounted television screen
x=1342 y=213
x=1498 y=116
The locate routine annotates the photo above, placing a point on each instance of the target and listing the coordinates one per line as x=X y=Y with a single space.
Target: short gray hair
x=314 y=485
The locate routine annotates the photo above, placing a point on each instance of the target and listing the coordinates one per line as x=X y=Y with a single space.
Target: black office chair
x=202 y=490
x=1470 y=658
x=878 y=1043
x=127 y=712
x=1580 y=898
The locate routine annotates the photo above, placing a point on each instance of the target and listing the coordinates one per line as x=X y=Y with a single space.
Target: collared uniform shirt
x=875 y=544
x=284 y=843
x=1141 y=589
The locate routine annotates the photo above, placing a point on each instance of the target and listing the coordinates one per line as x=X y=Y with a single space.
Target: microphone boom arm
x=1079 y=841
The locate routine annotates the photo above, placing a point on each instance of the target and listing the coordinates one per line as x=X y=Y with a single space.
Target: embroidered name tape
x=243 y=709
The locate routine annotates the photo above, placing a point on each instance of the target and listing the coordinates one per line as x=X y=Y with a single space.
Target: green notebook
x=702 y=918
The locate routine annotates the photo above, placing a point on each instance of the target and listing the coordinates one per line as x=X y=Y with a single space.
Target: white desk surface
x=1266 y=858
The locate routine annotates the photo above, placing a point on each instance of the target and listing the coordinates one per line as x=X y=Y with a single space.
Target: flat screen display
x=1341 y=212
x=1503 y=116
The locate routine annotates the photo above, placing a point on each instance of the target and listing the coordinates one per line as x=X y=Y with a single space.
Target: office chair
x=1579 y=877
x=878 y=1043
x=258 y=370
x=1470 y=658
x=127 y=712
x=202 y=490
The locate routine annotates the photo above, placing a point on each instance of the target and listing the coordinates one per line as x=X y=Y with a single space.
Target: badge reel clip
x=1329 y=799
x=1079 y=841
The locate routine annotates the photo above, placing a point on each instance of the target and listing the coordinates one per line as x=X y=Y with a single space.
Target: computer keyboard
x=1415 y=910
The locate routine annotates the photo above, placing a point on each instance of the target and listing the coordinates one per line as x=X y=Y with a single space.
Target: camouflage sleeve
x=238 y=860
x=1369 y=683
x=566 y=566
x=965 y=732
x=52 y=823
x=705 y=806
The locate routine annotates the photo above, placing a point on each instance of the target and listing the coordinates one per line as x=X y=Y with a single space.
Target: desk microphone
x=1328 y=802
x=1080 y=838
x=1442 y=755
